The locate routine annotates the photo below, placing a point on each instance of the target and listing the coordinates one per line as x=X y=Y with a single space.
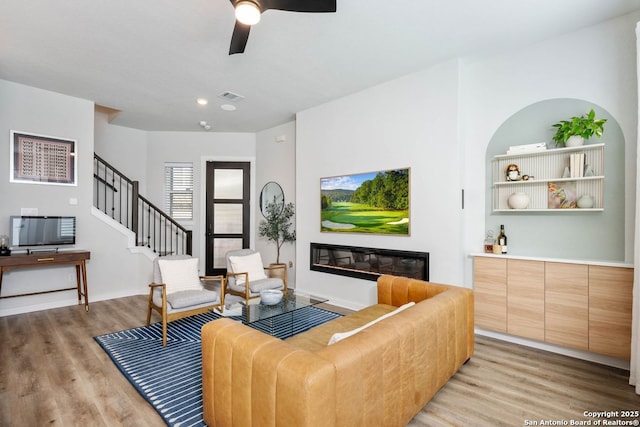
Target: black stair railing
x=117 y=196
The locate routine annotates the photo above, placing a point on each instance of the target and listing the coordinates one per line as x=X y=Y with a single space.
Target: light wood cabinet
x=610 y=305
x=525 y=298
x=572 y=304
x=490 y=289
x=567 y=304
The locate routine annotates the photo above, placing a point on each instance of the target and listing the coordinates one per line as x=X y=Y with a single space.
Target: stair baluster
x=137 y=213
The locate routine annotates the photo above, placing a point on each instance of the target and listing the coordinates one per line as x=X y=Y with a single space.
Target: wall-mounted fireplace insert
x=368 y=263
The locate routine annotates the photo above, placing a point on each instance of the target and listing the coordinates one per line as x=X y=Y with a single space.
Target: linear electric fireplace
x=368 y=263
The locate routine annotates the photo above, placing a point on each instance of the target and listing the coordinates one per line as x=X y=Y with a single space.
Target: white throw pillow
x=251 y=264
x=180 y=274
x=339 y=336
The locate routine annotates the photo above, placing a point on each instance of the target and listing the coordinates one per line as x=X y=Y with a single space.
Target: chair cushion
x=182 y=299
x=251 y=264
x=259 y=285
x=268 y=283
x=180 y=274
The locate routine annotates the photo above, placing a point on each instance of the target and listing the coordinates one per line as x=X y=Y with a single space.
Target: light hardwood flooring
x=52 y=372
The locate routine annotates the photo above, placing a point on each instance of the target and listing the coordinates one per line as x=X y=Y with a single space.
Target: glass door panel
x=227 y=212
x=227 y=218
x=221 y=247
x=228 y=184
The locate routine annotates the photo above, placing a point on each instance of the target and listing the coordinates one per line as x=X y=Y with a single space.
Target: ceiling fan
x=248 y=13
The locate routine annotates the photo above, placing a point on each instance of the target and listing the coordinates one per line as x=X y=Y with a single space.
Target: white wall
x=110 y=271
x=596 y=64
x=123 y=148
x=113 y=270
x=409 y=122
x=438 y=122
x=415 y=121
x=275 y=161
x=197 y=148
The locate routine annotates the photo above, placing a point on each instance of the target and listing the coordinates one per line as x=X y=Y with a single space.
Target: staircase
x=117 y=196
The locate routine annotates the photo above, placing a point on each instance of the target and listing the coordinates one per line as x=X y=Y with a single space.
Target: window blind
x=178 y=183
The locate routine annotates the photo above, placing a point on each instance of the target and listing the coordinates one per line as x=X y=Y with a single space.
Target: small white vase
x=585 y=202
x=518 y=200
x=574 y=141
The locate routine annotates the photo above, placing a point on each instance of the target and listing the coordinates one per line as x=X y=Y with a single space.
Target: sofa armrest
x=397 y=290
x=250 y=378
x=405 y=358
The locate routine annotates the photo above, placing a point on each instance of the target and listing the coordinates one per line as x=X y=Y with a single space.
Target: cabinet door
x=610 y=302
x=490 y=290
x=567 y=304
x=525 y=298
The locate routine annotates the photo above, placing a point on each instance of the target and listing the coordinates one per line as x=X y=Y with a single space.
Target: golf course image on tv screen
x=373 y=202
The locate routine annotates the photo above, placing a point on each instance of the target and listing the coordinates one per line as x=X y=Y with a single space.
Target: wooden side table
x=48 y=259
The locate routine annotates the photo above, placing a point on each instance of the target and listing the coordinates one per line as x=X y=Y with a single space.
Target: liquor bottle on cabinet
x=502 y=240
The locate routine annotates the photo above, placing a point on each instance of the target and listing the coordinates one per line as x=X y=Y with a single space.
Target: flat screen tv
x=42 y=232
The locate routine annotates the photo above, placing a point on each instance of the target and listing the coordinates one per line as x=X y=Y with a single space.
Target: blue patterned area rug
x=170 y=377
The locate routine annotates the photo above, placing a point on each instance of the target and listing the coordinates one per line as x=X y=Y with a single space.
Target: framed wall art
x=40 y=159
x=374 y=202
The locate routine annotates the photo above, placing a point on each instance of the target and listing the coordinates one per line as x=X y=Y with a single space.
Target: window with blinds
x=178 y=184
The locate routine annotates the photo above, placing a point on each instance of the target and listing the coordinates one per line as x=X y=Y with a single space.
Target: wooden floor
x=52 y=372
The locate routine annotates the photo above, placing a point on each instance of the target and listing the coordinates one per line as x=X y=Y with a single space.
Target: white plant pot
x=574 y=141
x=518 y=200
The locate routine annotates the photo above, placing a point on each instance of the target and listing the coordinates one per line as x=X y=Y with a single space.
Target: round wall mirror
x=271 y=193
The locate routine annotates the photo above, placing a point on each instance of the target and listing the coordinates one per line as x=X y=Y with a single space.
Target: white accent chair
x=246 y=275
x=178 y=291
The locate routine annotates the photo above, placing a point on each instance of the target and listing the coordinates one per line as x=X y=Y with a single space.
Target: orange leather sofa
x=381 y=376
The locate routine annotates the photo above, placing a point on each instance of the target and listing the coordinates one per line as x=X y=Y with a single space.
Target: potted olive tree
x=573 y=132
x=277 y=225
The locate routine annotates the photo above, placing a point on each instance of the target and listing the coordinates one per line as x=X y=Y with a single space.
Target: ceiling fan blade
x=300 y=5
x=239 y=38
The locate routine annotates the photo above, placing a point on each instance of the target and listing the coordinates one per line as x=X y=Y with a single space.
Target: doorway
x=228 y=190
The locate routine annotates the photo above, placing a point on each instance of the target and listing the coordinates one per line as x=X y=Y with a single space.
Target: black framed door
x=228 y=197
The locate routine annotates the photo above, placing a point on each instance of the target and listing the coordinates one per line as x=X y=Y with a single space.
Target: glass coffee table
x=287 y=318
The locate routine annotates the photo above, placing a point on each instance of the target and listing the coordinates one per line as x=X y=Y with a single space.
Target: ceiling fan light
x=247 y=12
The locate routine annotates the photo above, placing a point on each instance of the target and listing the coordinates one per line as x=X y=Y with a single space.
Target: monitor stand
x=42 y=251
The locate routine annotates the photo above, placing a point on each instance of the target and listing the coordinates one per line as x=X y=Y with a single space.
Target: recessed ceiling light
x=228 y=107
x=202 y=101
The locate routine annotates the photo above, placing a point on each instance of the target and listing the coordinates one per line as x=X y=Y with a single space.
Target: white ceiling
x=151 y=59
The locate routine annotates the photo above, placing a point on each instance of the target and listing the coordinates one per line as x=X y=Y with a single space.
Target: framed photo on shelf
x=562 y=195
x=40 y=159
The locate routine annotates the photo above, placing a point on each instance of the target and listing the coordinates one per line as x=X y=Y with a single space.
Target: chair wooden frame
x=247 y=290
x=168 y=317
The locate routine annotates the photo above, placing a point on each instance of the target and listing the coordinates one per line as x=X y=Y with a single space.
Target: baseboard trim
x=578 y=354
x=66 y=303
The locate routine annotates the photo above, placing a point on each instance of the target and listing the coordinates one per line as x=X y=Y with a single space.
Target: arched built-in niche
x=570 y=234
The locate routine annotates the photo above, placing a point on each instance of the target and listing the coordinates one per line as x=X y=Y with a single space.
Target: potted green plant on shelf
x=573 y=132
x=277 y=225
